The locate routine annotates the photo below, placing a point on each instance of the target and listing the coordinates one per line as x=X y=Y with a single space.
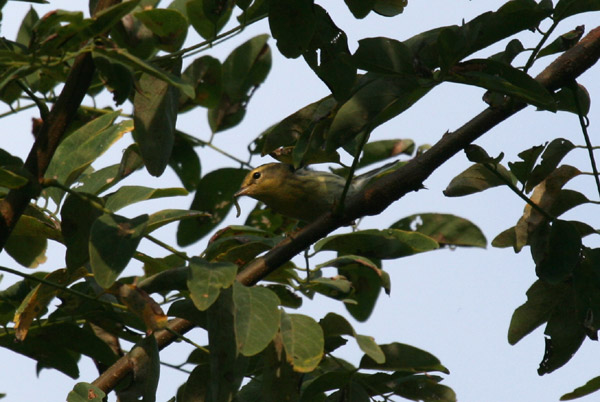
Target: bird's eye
x=256 y=175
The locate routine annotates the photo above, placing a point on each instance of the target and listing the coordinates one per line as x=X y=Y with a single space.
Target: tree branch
x=48 y=138
x=386 y=190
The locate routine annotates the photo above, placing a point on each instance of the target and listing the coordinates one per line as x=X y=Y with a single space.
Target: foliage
x=254 y=337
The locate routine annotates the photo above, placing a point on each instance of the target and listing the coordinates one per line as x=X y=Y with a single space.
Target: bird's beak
x=242 y=191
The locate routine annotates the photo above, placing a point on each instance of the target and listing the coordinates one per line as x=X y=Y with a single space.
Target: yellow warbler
x=302 y=194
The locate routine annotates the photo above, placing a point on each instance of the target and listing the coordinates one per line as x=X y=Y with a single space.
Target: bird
x=302 y=194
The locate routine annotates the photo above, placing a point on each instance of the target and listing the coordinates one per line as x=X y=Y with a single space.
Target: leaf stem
x=537 y=49
x=167 y=247
x=16 y=110
x=363 y=141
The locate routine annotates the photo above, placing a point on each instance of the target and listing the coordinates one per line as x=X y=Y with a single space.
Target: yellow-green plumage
x=301 y=194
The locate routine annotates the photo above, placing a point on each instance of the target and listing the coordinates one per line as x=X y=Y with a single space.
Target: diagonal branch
x=48 y=138
x=386 y=190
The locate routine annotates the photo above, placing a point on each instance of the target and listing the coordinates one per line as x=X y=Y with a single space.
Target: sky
x=456 y=304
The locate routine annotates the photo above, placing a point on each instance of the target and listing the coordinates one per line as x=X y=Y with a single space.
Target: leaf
x=542 y=298
x=256 y=317
x=169 y=27
x=25 y=32
x=27 y=250
x=401 y=357
x=206 y=279
x=214 y=196
x=328 y=55
x=115 y=77
x=227 y=365
x=564 y=334
x=475 y=179
x=425 y=388
x=589 y=387
x=545 y=195
x=557 y=252
x=84 y=392
x=128 y=195
x=360 y=8
x=567 y=8
x=293 y=25
x=335 y=325
x=205 y=75
x=377 y=99
x=77 y=216
x=522 y=169
x=326 y=381
x=381 y=244
x=566 y=100
x=384 y=55
x=155 y=115
x=209 y=17
x=185 y=162
x=243 y=71
x=302 y=340
x=146 y=371
x=446 y=229
x=77 y=151
x=166 y=216
x=553 y=154
x=503 y=78
x=389 y=8
x=113 y=241
x=563 y=42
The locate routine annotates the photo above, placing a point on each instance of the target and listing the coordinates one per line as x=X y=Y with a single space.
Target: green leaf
x=205 y=75
x=389 y=8
x=542 y=298
x=227 y=365
x=563 y=42
x=256 y=317
x=503 y=78
x=380 y=244
x=169 y=27
x=335 y=325
x=243 y=71
x=84 y=392
x=128 y=195
x=327 y=381
x=113 y=241
x=590 y=387
x=185 y=162
x=214 y=196
x=78 y=215
x=76 y=152
x=522 y=169
x=564 y=334
x=302 y=340
x=567 y=8
x=377 y=99
x=115 y=77
x=25 y=32
x=293 y=25
x=512 y=50
x=27 y=250
x=446 y=229
x=208 y=17
x=360 y=8
x=475 y=179
x=426 y=389
x=557 y=252
x=206 y=280
x=401 y=357
x=565 y=100
x=384 y=55
x=553 y=154
x=155 y=115
x=147 y=371
x=329 y=57
x=166 y=216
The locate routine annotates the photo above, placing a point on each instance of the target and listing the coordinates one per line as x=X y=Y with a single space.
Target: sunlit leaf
x=206 y=280
x=302 y=340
